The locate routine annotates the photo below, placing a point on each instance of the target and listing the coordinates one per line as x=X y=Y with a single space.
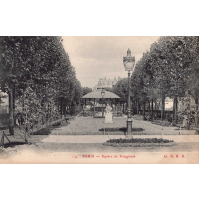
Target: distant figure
x=186 y=122
x=108 y=114
x=108 y=108
x=17 y=122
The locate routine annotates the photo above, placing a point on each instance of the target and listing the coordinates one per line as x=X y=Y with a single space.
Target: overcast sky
x=95 y=57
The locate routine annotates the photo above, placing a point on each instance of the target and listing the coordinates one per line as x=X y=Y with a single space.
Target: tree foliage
x=41 y=66
x=169 y=69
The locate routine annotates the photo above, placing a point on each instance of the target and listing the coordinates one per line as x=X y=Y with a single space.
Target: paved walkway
x=87 y=139
x=91 y=126
x=86 y=130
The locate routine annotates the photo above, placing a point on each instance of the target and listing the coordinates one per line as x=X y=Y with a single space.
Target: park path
x=86 y=130
x=91 y=126
x=89 y=139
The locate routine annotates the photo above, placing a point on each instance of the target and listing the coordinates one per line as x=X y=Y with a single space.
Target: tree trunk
x=11 y=120
x=152 y=110
x=137 y=107
x=144 y=118
x=196 y=116
x=94 y=108
x=14 y=92
x=175 y=109
x=23 y=100
x=149 y=108
x=85 y=104
x=61 y=107
x=133 y=103
x=64 y=109
x=196 y=102
x=162 y=108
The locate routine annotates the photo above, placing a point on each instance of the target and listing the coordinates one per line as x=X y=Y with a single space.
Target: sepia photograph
x=99 y=99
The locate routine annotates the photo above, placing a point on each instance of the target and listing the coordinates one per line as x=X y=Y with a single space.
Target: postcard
x=99 y=99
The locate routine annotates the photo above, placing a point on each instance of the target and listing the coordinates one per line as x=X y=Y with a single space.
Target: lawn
x=90 y=126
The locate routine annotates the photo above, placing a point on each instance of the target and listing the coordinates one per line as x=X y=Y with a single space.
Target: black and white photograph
x=99 y=99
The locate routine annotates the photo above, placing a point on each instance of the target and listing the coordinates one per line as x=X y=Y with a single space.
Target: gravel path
x=88 y=139
x=91 y=126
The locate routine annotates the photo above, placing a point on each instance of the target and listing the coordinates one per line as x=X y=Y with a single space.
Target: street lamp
x=129 y=63
x=102 y=93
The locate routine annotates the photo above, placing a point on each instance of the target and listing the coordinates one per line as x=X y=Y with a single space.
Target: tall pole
x=11 y=120
x=102 y=93
x=102 y=107
x=129 y=99
x=94 y=107
x=129 y=63
x=129 y=121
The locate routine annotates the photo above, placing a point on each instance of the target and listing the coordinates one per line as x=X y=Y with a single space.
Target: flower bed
x=123 y=129
x=98 y=117
x=162 y=123
x=139 y=142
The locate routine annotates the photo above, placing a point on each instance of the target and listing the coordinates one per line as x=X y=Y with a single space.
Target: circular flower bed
x=139 y=142
x=123 y=129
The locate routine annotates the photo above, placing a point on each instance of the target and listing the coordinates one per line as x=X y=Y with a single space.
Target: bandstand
x=98 y=99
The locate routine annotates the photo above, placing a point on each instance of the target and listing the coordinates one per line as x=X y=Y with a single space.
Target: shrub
x=43 y=131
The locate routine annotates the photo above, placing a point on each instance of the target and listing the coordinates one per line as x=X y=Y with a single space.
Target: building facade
x=106 y=83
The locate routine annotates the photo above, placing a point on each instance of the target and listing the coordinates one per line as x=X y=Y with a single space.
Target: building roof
x=97 y=94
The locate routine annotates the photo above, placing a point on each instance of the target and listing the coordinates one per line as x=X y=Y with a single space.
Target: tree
x=40 y=65
x=86 y=90
x=121 y=89
x=169 y=69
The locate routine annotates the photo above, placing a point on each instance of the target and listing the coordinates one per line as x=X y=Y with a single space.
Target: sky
x=95 y=57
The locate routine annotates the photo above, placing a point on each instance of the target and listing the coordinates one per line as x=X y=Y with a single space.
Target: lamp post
x=102 y=93
x=129 y=63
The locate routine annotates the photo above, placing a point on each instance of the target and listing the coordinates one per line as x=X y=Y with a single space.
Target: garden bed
x=139 y=142
x=98 y=117
x=162 y=123
x=123 y=129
